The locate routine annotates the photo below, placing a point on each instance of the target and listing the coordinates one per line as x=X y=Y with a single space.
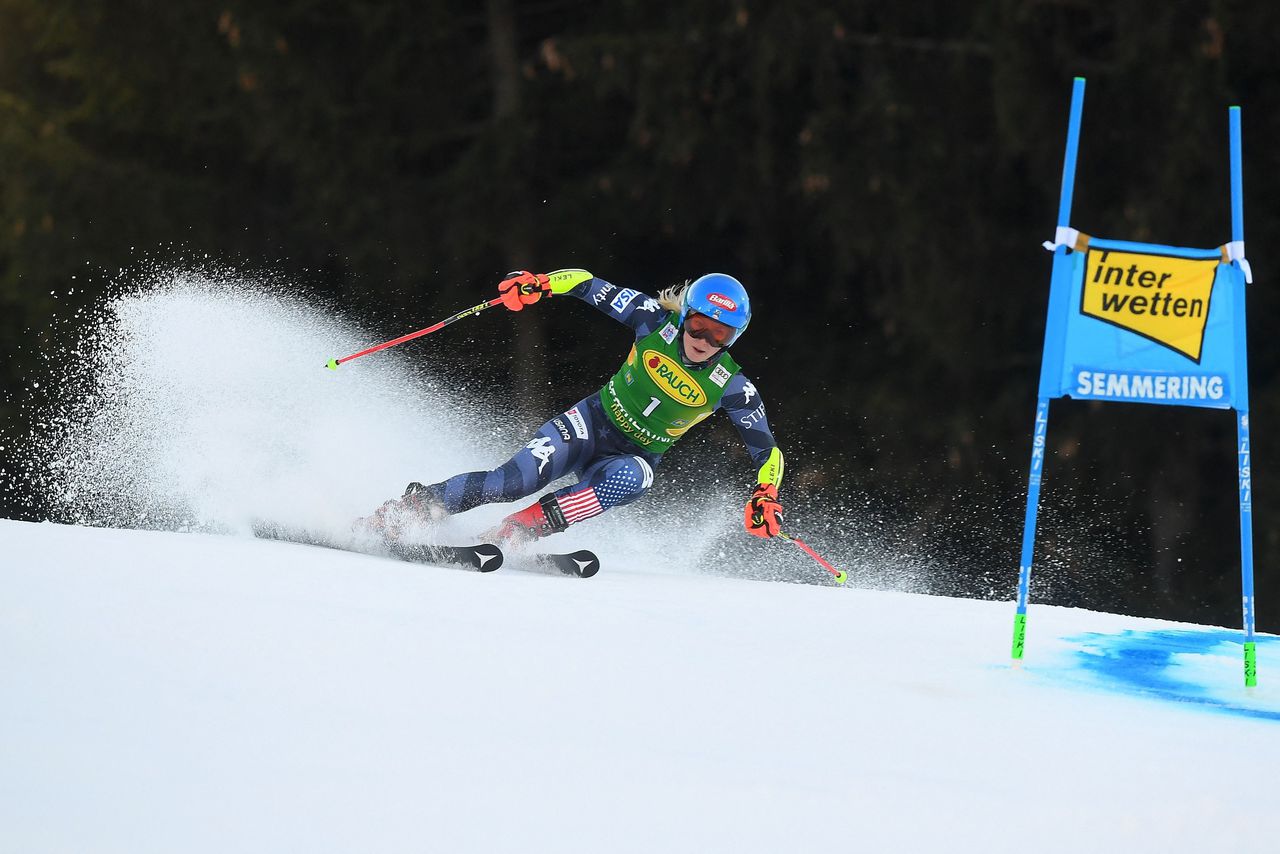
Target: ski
x=581 y=564
x=484 y=557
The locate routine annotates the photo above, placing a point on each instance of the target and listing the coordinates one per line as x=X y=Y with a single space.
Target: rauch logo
x=673 y=379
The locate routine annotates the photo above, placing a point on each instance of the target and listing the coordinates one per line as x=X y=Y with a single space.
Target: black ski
x=582 y=563
x=484 y=557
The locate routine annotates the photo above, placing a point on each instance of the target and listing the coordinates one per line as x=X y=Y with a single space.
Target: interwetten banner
x=1145 y=323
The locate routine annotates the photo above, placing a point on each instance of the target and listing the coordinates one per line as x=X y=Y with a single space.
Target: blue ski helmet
x=719 y=297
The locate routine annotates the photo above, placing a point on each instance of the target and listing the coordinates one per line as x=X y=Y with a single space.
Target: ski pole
x=840 y=575
x=475 y=309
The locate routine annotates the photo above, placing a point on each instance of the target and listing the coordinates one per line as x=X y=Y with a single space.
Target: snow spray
x=197 y=400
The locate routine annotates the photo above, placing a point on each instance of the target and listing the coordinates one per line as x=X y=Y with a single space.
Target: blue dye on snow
x=1162 y=664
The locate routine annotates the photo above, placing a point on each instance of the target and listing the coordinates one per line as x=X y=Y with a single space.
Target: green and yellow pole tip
x=333 y=365
x=842 y=577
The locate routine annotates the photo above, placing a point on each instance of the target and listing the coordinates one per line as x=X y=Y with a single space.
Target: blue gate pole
x=1069 y=160
x=1039 y=435
x=1246 y=547
x=1041 y=429
x=1242 y=411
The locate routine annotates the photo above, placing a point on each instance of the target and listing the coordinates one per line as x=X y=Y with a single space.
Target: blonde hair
x=671 y=297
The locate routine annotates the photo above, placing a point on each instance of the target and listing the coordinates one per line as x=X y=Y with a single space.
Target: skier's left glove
x=521 y=288
x=763 y=516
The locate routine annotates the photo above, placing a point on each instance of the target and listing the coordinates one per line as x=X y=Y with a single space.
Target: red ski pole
x=840 y=575
x=475 y=309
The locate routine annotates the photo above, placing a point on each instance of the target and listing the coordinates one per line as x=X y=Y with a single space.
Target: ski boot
x=540 y=519
x=418 y=507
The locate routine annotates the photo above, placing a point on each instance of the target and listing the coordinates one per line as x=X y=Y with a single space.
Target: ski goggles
x=711 y=331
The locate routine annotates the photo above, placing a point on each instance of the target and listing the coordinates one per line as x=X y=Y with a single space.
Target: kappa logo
x=650 y=304
x=542 y=451
x=623 y=299
x=673 y=379
x=748 y=391
x=722 y=301
x=1161 y=298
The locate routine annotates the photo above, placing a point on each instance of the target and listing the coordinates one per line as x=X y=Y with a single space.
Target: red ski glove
x=763 y=516
x=521 y=288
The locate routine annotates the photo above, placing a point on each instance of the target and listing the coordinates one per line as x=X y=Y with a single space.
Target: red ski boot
x=534 y=522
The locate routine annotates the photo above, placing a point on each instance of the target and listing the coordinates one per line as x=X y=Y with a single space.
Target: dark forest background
x=879 y=175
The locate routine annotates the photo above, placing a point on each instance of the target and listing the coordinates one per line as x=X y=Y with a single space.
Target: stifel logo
x=1158 y=297
x=673 y=379
x=722 y=301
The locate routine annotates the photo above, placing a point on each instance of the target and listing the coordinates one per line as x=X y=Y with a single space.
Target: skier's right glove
x=521 y=288
x=763 y=517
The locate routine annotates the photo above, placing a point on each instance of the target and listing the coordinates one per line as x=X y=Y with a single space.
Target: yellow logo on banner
x=1162 y=298
x=673 y=379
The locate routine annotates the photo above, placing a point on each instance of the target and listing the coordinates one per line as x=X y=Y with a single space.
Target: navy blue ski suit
x=612 y=469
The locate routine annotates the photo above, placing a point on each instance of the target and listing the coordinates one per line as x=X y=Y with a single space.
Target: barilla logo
x=722 y=301
x=673 y=379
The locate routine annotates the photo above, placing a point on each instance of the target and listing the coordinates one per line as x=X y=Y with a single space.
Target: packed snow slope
x=189 y=692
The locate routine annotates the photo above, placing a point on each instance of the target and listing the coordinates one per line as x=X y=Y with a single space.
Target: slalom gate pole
x=1242 y=414
x=1041 y=428
x=1069 y=160
x=475 y=309
x=1246 y=550
x=1029 y=527
x=840 y=575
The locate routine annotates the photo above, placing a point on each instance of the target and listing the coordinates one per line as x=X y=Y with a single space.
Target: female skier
x=678 y=372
